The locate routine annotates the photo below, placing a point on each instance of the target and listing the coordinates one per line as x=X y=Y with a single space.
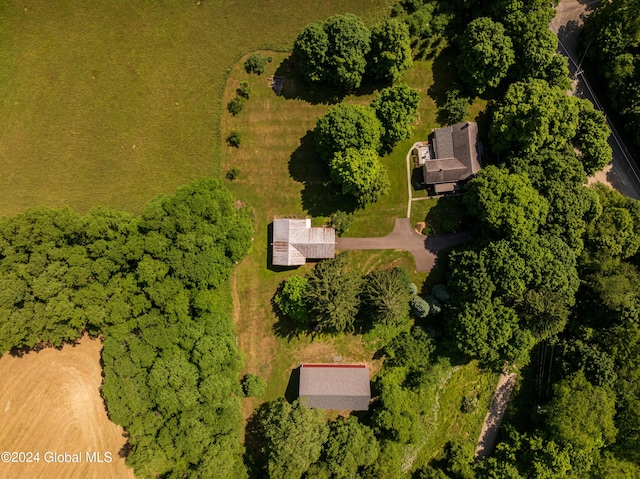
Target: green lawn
x=447 y=421
x=280 y=175
x=112 y=102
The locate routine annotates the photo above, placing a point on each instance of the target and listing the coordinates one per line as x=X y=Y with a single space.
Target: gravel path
x=403 y=237
x=489 y=433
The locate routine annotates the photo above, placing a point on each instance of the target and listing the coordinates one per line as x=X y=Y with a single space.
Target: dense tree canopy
x=534 y=44
x=506 y=204
x=350 y=447
x=486 y=54
x=531 y=116
x=591 y=138
x=610 y=45
x=291 y=436
x=616 y=231
x=152 y=285
x=397 y=108
x=390 y=52
x=581 y=416
x=360 y=174
x=334 y=51
x=347 y=126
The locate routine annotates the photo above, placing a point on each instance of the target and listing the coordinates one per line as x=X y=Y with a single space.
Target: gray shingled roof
x=335 y=386
x=295 y=241
x=456 y=154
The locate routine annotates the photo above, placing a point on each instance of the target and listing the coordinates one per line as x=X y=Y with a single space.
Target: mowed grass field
x=112 y=102
x=281 y=176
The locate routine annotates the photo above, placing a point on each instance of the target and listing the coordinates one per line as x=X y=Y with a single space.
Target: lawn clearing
x=111 y=103
x=280 y=175
x=448 y=422
x=50 y=401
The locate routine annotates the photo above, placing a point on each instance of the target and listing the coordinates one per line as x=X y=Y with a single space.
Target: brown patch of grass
x=50 y=401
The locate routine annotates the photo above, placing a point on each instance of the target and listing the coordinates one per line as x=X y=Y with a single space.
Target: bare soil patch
x=489 y=433
x=50 y=402
x=602 y=176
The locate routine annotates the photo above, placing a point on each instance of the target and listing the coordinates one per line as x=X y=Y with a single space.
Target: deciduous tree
x=347 y=126
x=486 y=54
x=292 y=437
x=396 y=107
x=360 y=174
x=533 y=115
x=506 y=204
x=390 y=52
x=290 y=298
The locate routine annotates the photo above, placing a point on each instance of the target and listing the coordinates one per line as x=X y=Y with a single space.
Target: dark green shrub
x=245 y=90
x=255 y=63
x=236 y=105
x=470 y=403
x=234 y=139
x=253 y=386
x=454 y=108
x=341 y=221
x=439 y=291
x=290 y=298
x=233 y=173
x=435 y=307
x=427 y=230
x=419 y=307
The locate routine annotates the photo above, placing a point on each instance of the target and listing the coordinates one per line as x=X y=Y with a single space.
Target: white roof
x=294 y=241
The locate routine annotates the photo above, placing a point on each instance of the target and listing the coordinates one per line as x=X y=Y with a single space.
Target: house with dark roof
x=295 y=241
x=453 y=156
x=335 y=386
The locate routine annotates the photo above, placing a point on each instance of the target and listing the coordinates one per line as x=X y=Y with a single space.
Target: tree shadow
x=320 y=196
x=484 y=123
x=417 y=179
x=254 y=458
x=444 y=77
x=590 y=5
x=285 y=327
x=448 y=215
x=293 y=386
x=297 y=88
x=568 y=34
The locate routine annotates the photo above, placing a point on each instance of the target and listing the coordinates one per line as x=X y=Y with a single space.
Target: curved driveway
x=403 y=237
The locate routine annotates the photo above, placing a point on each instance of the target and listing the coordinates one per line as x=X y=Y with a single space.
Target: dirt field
x=50 y=403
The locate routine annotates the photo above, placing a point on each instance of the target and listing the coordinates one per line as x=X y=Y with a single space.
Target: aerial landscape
x=356 y=239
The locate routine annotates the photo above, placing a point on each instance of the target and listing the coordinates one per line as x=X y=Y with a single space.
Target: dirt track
x=50 y=402
x=493 y=419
